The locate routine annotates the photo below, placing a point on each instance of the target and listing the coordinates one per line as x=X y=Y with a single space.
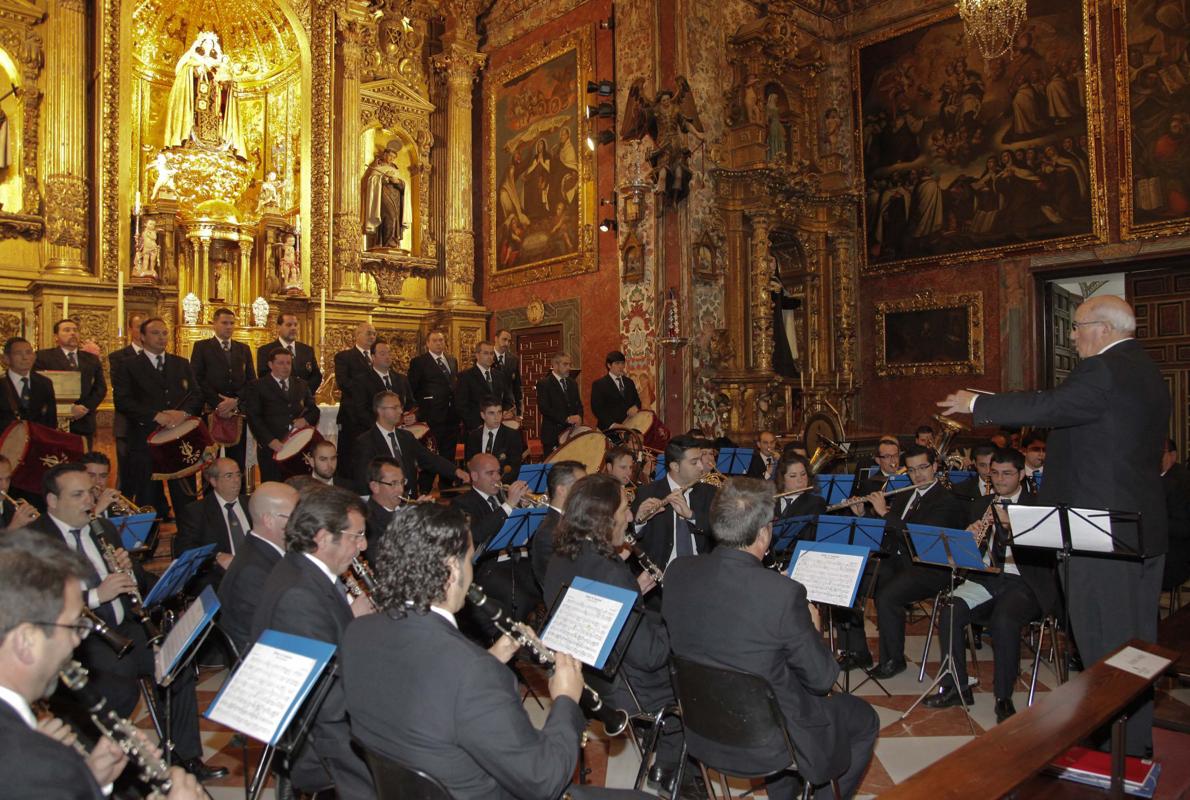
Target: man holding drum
x=277 y=405
x=614 y=397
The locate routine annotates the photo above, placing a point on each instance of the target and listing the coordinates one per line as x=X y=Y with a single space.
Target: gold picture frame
x=539 y=193
x=962 y=241
x=930 y=334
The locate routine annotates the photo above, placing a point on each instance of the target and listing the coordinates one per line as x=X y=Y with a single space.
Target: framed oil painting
x=930 y=335
x=1153 y=76
x=539 y=198
x=964 y=158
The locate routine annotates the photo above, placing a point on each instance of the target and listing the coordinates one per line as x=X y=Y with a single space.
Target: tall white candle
x=120 y=300
x=322 y=316
x=66 y=307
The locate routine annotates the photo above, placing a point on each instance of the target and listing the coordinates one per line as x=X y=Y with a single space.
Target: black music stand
x=835 y=488
x=535 y=475
x=954 y=549
x=205 y=606
x=787 y=532
x=734 y=460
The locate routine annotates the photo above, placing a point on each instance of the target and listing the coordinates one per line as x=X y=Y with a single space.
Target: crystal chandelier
x=993 y=24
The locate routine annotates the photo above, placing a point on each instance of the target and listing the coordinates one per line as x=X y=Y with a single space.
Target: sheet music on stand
x=191 y=626
x=1090 y=528
x=734 y=460
x=535 y=475
x=830 y=572
x=262 y=696
x=516 y=531
x=953 y=548
x=179 y=573
x=835 y=488
x=587 y=620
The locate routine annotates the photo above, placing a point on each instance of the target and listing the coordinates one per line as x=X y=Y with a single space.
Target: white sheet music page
x=261 y=692
x=1138 y=662
x=581 y=625
x=828 y=577
x=179 y=637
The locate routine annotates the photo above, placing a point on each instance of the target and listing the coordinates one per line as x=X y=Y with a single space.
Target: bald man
x=1110 y=419
x=239 y=593
x=351 y=365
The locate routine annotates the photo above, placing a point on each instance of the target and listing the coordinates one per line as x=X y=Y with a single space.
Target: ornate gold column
x=67 y=187
x=460 y=62
x=761 y=303
x=350 y=52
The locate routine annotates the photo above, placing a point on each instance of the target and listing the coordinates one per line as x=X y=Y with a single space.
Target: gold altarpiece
x=237 y=150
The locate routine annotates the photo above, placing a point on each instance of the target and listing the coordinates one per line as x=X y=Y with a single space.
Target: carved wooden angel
x=666 y=118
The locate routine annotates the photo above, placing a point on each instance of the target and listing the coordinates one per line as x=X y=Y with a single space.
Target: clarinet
x=642 y=558
x=153 y=770
x=152 y=632
x=614 y=720
x=362 y=571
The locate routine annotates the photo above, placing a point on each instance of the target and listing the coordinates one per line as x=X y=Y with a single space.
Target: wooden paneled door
x=534 y=348
x=1162 y=302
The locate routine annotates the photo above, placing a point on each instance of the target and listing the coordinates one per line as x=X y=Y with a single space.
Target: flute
x=712 y=478
x=855 y=501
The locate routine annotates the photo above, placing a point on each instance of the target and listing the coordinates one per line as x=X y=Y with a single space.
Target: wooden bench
x=1173 y=633
x=996 y=763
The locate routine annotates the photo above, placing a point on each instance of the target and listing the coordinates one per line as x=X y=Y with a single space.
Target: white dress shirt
x=19 y=705
x=238 y=511
x=256 y=535
x=446 y=615
x=673 y=553
x=92 y=554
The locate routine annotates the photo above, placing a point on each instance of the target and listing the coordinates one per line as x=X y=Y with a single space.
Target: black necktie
x=289 y=347
x=442 y=366
x=161 y=363
x=106 y=611
x=226 y=348
x=563 y=382
x=25 y=393
x=500 y=361
x=912 y=505
x=234 y=527
x=392 y=441
x=387 y=384
x=367 y=357
x=683 y=543
x=487 y=377
x=494 y=503
x=284 y=387
x=73 y=359
x=620 y=386
x=491 y=441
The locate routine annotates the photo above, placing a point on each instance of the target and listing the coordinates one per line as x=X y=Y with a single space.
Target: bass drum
x=291 y=459
x=181 y=450
x=32 y=449
x=653 y=433
x=587 y=448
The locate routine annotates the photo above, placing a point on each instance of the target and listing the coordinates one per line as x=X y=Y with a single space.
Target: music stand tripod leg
x=947 y=667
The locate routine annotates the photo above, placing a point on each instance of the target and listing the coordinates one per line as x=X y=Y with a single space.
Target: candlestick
x=136 y=204
x=322 y=316
x=120 y=301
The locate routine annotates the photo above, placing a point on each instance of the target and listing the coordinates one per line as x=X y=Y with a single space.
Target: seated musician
x=980 y=484
x=793 y=475
x=924 y=435
x=620 y=463
x=421 y=693
x=675 y=509
x=324 y=463
x=40 y=626
x=726 y=610
x=765 y=457
x=68 y=519
x=1033 y=446
x=885 y=464
x=558 y=481
x=220 y=518
x=1005 y=602
x=386 y=439
x=303 y=596
x=587 y=545
x=900 y=581
x=493 y=436
x=386 y=486
x=614 y=397
x=18 y=514
x=239 y=592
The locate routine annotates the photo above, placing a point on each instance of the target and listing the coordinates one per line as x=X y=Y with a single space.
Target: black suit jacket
x=455 y=712
x=356 y=413
x=1109 y=420
x=802 y=505
x=756 y=466
x=1038 y=566
x=657 y=536
x=485 y=522
x=608 y=405
x=34 y=766
x=554 y=407
x=726 y=610
x=114 y=359
x=433 y=391
x=241 y=587
x=969 y=489
x=378 y=520
x=206 y=523
x=472 y=389
x=541 y=548
x=1176 y=483
x=43 y=406
x=305 y=362
x=508 y=447
x=936 y=507
x=93 y=386
x=512 y=373
x=271 y=413
x=349 y=365
x=373 y=444
x=219 y=374
x=142 y=393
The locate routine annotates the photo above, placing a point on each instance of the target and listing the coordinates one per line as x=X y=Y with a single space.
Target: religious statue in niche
x=4 y=129
x=164 y=187
x=667 y=119
x=778 y=150
x=785 y=306
x=222 y=279
x=202 y=105
x=288 y=267
x=383 y=199
x=148 y=253
x=270 y=193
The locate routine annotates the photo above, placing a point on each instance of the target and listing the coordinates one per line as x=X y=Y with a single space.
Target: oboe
x=152 y=633
x=614 y=720
x=649 y=565
x=153 y=770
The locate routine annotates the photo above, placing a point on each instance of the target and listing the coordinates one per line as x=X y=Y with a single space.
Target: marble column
x=67 y=188
x=761 y=301
x=348 y=169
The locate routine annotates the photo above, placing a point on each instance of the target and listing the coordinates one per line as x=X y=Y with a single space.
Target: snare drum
x=588 y=448
x=654 y=435
x=574 y=431
x=291 y=458
x=33 y=449
x=181 y=450
x=417 y=430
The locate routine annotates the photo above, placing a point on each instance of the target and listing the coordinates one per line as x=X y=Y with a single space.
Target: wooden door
x=1162 y=302
x=534 y=348
x=1062 y=304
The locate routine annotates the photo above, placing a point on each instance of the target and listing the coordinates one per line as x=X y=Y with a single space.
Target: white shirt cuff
x=971 y=405
x=507 y=509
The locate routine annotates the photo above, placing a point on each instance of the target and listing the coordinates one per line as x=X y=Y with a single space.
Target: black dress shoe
x=949 y=698
x=850 y=661
x=660 y=778
x=1004 y=709
x=1074 y=662
x=201 y=771
x=887 y=669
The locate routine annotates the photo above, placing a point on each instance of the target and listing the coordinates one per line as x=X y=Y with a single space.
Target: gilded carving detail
x=321 y=116
x=66 y=206
x=25 y=46
x=460 y=257
x=762 y=321
x=11 y=324
x=111 y=223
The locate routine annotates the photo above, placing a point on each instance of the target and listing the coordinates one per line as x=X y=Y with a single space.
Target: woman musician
x=793 y=475
x=586 y=545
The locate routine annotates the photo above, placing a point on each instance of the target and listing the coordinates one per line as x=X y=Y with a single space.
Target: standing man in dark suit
x=358 y=416
x=494 y=437
x=1176 y=483
x=271 y=505
x=726 y=610
x=27 y=395
x=220 y=518
x=614 y=397
x=508 y=363
x=119 y=422
x=39 y=595
x=350 y=364
x=155 y=389
x=305 y=360
x=1108 y=419
x=481 y=381
x=223 y=368
x=67 y=356
x=558 y=402
x=677 y=508
x=385 y=439
x=304 y=596
x=433 y=376
x=277 y=404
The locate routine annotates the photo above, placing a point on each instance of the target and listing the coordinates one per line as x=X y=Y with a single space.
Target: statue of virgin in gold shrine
x=202 y=102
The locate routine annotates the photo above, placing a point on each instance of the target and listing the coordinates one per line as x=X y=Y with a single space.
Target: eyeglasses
x=83 y=626
x=401 y=482
x=921 y=468
x=362 y=535
x=1074 y=326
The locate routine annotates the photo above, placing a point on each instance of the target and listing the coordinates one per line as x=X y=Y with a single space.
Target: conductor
x=1109 y=420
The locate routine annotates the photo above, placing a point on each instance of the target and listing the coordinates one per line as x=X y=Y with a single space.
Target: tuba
x=827 y=451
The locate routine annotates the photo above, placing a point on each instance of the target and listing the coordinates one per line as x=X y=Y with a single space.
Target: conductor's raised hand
x=957 y=402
